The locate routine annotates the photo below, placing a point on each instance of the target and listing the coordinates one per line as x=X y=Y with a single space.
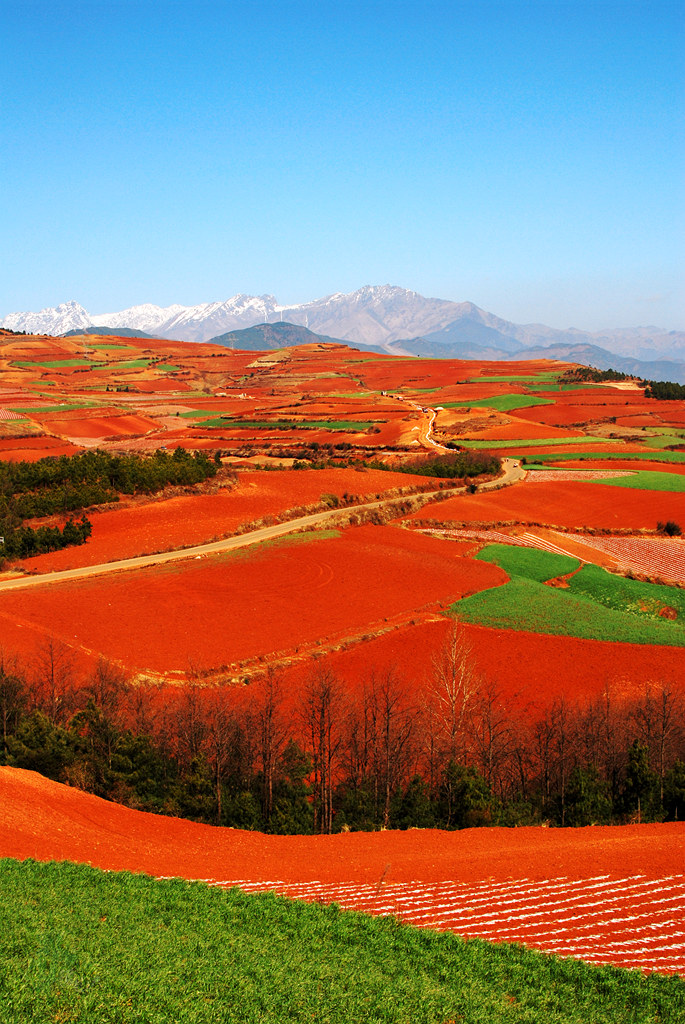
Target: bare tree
x=451 y=690
x=54 y=688
x=392 y=721
x=272 y=733
x=323 y=714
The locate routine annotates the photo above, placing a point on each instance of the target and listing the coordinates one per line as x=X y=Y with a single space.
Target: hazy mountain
x=394 y=319
x=266 y=337
x=117 y=332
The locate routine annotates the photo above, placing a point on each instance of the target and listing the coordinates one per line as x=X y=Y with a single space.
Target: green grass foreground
x=596 y=606
x=90 y=947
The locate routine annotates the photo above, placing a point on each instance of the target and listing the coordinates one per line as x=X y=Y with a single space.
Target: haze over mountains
x=385 y=318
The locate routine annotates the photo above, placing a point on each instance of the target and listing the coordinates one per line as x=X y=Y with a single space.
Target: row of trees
x=451 y=753
x=61 y=486
x=592 y=375
x=69 y=483
x=666 y=390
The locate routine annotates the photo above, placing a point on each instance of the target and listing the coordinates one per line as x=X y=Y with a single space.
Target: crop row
x=634 y=921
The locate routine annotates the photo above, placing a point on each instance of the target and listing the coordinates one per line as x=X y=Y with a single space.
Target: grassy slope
x=596 y=605
x=88 y=946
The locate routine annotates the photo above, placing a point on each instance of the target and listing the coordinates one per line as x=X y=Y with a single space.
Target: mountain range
x=382 y=318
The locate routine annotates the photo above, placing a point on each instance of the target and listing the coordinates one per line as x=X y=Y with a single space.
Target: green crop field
x=130 y=364
x=656 y=456
x=348 y=425
x=560 y=387
x=538 y=442
x=646 y=480
x=117 y=345
x=634 y=596
x=56 y=364
x=531 y=563
x=596 y=605
x=640 y=479
x=667 y=440
x=93 y=947
x=503 y=403
x=166 y=367
x=542 y=378
x=36 y=410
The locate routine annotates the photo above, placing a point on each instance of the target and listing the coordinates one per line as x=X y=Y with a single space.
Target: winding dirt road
x=512 y=473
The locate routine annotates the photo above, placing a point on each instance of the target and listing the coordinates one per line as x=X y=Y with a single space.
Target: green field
x=542 y=378
x=560 y=387
x=36 y=410
x=130 y=364
x=667 y=440
x=92 y=947
x=56 y=364
x=531 y=563
x=166 y=367
x=632 y=596
x=503 y=403
x=117 y=345
x=640 y=479
x=348 y=425
x=656 y=456
x=646 y=480
x=539 y=442
x=596 y=605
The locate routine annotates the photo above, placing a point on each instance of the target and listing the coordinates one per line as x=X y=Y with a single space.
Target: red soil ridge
x=47 y=821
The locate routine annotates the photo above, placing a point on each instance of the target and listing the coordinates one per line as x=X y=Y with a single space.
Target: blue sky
x=525 y=156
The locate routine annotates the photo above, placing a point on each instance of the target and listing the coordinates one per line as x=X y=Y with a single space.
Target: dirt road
x=512 y=473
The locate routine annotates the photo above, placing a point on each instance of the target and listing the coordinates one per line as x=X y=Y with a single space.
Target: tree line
x=67 y=484
x=450 y=753
x=666 y=390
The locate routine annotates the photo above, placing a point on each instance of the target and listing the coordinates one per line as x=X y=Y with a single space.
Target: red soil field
x=45 y=820
x=31 y=449
x=255 y=602
x=536 y=885
x=102 y=426
x=137 y=529
x=570 y=504
x=520 y=430
x=529 y=670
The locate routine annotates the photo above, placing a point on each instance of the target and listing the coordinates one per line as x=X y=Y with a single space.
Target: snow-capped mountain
x=395 y=319
x=371 y=315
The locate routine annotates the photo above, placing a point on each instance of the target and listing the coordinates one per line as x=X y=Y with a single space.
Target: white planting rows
x=632 y=921
x=9 y=414
x=545 y=476
x=652 y=556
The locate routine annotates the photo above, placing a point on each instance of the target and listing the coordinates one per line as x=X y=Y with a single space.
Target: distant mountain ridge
x=385 y=318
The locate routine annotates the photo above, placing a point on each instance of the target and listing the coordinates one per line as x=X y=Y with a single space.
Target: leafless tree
x=271 y=732
x=53 y=683
x=323 y=714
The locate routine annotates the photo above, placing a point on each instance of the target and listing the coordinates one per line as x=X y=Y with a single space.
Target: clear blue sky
x=525 y=156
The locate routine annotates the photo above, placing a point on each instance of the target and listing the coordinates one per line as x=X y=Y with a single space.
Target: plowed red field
x=528 y=670
x=187 y=520
x=565 y=890
x=572 y=504
x=219 y=610
x=103 y=426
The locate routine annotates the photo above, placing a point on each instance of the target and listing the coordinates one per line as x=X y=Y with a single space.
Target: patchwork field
x=554 y=645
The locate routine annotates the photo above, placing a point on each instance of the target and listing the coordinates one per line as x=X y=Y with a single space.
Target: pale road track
x=512 y=474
